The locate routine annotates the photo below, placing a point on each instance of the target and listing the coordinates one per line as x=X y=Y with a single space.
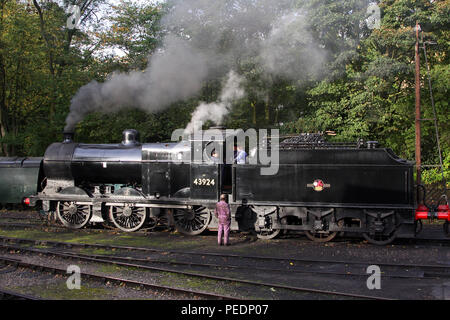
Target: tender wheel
x=267 y=235
x=382 y=228
x=192 y=222
x=384 y=235
x=72 y=215
x=379 y=239
x=127 y=218
x=321 y=236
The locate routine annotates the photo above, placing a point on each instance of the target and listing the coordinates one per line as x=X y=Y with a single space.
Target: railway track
x=438 y=270
x=104 y=260
x=39 y=224
x=429 y=270
x=187 y=293
x=12 y=295
x=21 y=218
x=434 y=273
x=46 y=224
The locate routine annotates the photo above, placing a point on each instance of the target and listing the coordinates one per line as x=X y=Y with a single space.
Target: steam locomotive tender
x=320 y=189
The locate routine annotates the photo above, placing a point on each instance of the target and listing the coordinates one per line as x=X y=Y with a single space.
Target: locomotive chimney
x=130 y=137
x=68 y=137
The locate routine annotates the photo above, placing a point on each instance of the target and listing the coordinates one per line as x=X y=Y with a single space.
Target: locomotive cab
x=211 y=164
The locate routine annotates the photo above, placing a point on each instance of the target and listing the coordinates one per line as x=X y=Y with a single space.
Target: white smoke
x=216 y=111
x=291 y=51
x=205 y=39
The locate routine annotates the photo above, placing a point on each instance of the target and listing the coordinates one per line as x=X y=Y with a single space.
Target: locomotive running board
x=155 y=205
x=120 y=204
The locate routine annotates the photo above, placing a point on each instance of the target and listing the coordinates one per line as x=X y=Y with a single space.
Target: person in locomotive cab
x=215 y=157
x=241 y=155
x=223 y=213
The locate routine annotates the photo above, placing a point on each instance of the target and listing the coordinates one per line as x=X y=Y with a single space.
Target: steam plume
x=173 y=75
x=205 y=40
x=217 y=110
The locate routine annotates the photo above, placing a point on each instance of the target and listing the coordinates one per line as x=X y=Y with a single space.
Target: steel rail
x=198 y=275
x=20 y=218
x=12 y=295
x=43 y=224
x=60 y=227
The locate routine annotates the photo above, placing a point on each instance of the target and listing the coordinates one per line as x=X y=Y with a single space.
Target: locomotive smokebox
x=68 y=137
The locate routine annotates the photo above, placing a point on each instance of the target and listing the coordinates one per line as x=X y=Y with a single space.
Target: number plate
x=204 y=182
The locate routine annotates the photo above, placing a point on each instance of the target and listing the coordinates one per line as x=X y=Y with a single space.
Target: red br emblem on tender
x=318 y=185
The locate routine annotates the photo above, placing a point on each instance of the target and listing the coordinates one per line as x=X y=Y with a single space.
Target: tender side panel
x=343 y=185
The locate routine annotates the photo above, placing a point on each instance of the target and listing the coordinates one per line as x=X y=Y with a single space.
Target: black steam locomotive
x=320 y=189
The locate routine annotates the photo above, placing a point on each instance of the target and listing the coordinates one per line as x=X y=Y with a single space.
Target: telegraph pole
x=418 y=146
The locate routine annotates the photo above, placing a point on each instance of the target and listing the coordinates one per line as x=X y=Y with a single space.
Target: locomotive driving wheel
x=127 y=218
x=192 y=222
x=72 y=215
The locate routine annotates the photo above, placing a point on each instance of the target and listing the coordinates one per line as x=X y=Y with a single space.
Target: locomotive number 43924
x=204 y=182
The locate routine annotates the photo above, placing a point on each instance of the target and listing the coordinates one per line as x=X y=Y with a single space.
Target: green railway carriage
x=19 y=178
